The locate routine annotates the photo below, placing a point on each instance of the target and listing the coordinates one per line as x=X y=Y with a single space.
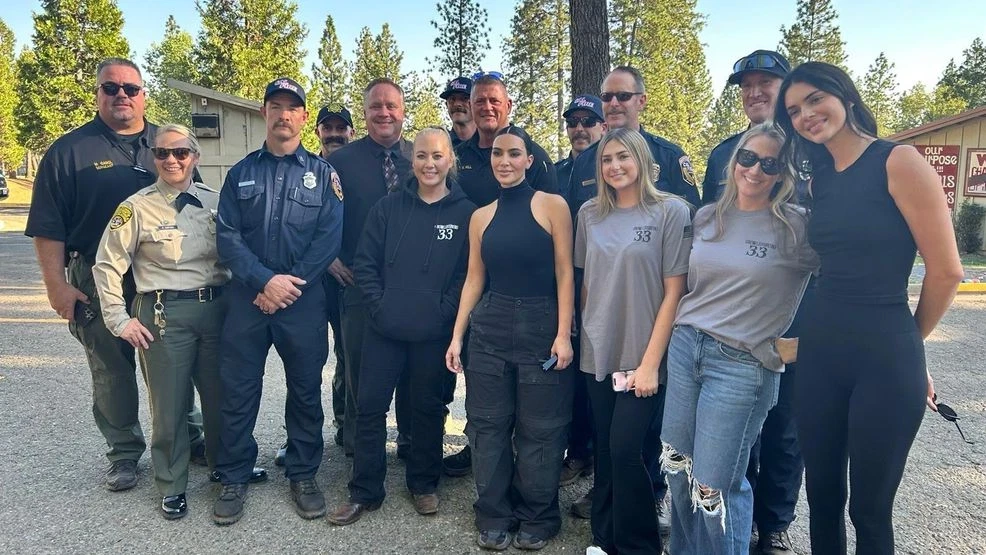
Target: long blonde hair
x=647 y=173
x=782 y=193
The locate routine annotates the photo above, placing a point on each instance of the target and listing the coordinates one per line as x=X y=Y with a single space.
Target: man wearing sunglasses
x=82 y=178
x=775 y=467
x=585 y=124
x=456 y=97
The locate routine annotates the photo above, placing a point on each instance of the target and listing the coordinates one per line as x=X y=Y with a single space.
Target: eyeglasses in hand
x=948 y=413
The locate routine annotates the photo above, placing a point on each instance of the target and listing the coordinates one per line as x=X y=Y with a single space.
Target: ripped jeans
x=718 y=398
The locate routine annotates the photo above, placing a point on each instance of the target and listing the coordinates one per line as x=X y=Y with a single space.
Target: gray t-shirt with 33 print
x=626 y=256
x=744 y=288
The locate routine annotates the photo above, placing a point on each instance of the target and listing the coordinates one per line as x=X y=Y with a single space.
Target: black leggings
x=859 y=396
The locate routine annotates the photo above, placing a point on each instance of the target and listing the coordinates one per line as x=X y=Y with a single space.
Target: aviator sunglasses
x=180 y=153
x=586 y=122
x=748 y=159
x=948 y=413
x=129 y=89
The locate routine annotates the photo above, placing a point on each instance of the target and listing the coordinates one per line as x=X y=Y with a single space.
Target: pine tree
x=913 y=108
x=536 y=63
x=879 y=92
x=330 y=76
x=945 y=102
x=375 y=56
x=11 y=152
x=213 y=53
x=726 y=118
x=463 y=37
x=422 y=108
x=967 y=81
x=70 y=38
x=815 y=36
x=170 y=59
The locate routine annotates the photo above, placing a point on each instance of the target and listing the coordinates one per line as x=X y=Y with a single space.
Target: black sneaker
x=309 y=502
x=493 y=540
x=776 y=543
x=572 y=469
x=229 y=505
x=529 y=542
x=121 y=475
x=174 y=506
x=282 y=452
x=459 y=464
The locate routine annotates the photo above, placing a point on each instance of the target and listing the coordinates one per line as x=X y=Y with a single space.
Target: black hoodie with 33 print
x=411 y=262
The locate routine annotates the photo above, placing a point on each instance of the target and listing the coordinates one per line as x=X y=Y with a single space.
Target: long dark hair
x=518 y=131
x=831 y=79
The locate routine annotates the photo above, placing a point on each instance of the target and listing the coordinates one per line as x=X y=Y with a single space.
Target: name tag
x=245 y=183
x=588 y=182
x=166 y=227
x=103 y=165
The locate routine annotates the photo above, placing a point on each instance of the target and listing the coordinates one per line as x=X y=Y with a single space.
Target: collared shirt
x=167 y=249
x=563 y=171
x=279 y=215
x=360 y=167
x=676 y=176
x=82 y=178
x=476 y=172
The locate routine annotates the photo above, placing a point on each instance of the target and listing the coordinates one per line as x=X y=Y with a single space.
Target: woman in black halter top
x=862 y=384
x=515 y=397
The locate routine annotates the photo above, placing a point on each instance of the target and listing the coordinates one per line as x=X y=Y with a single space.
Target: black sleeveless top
x=866 y=249
x=518 y=253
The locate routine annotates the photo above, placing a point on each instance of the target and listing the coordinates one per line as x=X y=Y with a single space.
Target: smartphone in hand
x=84 y=314
x=550 y=363
x=620 y=380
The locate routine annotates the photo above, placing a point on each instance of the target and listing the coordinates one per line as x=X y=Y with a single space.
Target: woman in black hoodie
x=411 y=264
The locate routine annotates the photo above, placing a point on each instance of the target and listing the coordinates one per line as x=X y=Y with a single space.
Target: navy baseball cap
x=766 y=61
x=461 y=85
x=341 y=112
x=285 y=84
x=586 y=102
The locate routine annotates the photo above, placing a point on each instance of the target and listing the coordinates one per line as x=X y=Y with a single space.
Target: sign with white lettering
x=975 y=173
x=945 y=160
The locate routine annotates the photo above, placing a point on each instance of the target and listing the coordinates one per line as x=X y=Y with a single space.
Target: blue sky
x=918 y=36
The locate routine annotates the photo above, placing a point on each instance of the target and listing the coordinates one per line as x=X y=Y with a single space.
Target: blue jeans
x=718 y=398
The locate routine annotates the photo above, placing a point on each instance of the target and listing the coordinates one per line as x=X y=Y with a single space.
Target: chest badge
x=309 y=180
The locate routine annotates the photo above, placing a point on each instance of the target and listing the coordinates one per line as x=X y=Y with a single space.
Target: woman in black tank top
x=862 y=382
x=515 y=397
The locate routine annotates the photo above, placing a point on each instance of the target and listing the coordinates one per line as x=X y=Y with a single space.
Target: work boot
x=229 y=505
x=459 y=464
x=122 y=475
x=776 y=543
x=572 y=469
x=309 y=502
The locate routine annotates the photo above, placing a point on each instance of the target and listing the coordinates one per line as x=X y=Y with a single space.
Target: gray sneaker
x=776 y=543
x=122 y=475
x=309 y=502
x=229 y=506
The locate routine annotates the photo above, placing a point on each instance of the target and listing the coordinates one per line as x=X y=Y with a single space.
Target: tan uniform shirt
x=167 y=249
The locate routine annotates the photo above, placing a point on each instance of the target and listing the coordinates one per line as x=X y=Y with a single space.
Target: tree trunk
x=590 y=45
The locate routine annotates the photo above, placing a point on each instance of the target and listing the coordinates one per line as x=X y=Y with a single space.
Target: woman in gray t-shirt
x=749 y=266
x=633 y=242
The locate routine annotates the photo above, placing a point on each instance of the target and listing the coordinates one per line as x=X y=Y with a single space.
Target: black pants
x=299 y=334
x=580 y=432
x=859 y=400
x=385 y=361
x=511 y=403
x=334 y=314
x=624 y=519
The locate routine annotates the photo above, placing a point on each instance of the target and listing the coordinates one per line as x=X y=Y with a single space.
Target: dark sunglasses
x=585 y=121
x=494 y=74
x=180 y=153
x=622 y=96
x=948 y=413
x=748 y=159
x=758 y=61
x=129 y=89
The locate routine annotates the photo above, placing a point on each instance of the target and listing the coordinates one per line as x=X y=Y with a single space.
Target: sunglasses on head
x=129 y=89
x=757 y=61
x=585 y=121
x=622 y=96
x=948 y=413
x=494 y=74
x=181 y=153
x=748 y=159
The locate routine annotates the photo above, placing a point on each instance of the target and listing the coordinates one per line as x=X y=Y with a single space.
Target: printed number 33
x=642 y=235
x=445 y=234
x=758 y=252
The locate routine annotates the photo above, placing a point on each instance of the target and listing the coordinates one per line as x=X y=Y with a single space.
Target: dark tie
x=390 y=172
x=186 y=198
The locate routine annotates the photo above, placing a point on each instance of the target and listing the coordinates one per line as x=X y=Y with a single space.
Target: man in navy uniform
x=456 y=97
x=585 y=124
x=279 y=227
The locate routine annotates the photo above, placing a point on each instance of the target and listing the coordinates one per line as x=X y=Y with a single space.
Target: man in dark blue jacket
x=279 y=226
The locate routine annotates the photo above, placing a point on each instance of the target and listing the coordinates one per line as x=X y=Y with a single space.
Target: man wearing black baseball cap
x=456 y=97
x=334 y=127
x=585 y=125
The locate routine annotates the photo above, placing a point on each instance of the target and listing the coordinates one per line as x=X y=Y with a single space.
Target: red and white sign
x=945 y=160
x=975 y=173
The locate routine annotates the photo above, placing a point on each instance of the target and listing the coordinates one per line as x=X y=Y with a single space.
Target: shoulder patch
x=122 y=215
x=687 y=171
x=336 y=185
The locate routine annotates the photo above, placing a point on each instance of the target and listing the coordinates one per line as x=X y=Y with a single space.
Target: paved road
x=52 y=501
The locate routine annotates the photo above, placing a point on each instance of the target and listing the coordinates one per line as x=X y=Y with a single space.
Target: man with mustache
x=82 y=178
x=334 y=128
x=456 y=97
x=585 y=124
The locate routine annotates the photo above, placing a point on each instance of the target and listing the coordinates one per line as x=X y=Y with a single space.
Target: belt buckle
x=202 y=298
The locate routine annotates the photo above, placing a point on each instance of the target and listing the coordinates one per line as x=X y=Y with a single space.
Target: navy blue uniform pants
x=300 y=335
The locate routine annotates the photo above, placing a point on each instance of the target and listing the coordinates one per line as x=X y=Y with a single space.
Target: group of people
x=609 y=321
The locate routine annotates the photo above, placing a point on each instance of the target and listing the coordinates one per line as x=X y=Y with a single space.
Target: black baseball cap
x=586 y=102
x=461 y=85
x=285 y=84
x=766 y=61
x=341 y=112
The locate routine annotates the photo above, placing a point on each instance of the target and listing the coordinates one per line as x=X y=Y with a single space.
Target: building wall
x=241 y=132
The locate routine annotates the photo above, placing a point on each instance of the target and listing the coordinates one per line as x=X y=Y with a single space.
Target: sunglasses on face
x=622 y=96
x=759 y=61
x=948 y=413
x=180 y=153
x=494 y=74
x=129 y=89
x=748 y=159
x=586 y=122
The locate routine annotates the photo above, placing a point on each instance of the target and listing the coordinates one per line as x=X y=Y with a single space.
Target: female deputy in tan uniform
x=167 y=233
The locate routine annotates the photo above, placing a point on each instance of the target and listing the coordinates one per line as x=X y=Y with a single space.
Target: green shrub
x=969 y=226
